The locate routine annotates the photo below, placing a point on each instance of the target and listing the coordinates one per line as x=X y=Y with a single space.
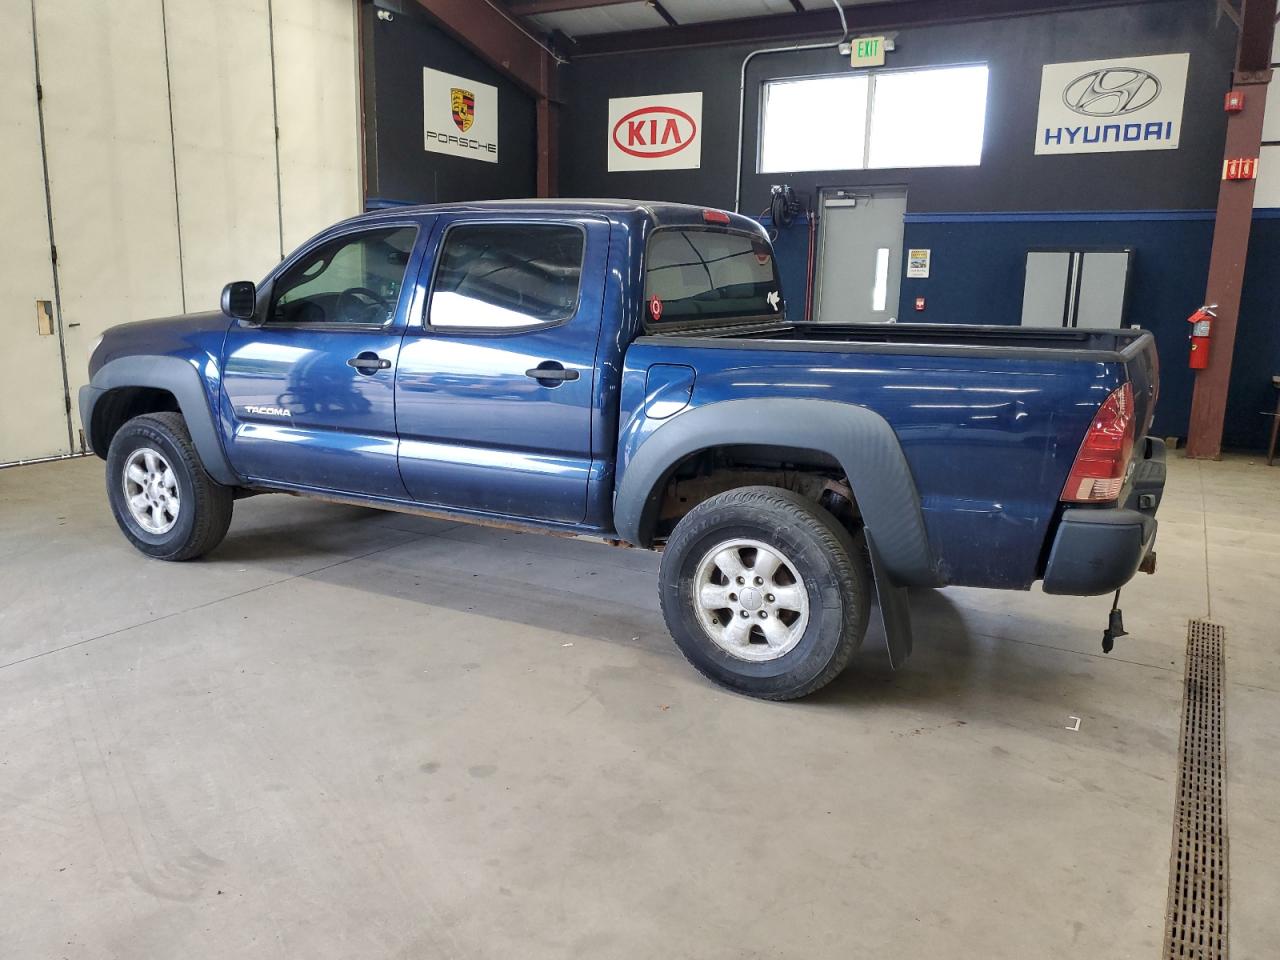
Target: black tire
x=830 y=566
x=204 y=511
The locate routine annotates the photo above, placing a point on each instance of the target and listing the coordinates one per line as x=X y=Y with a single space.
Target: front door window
x=352 y=280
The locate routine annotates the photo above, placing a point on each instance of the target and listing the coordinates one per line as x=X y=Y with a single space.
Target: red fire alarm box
x=1240 y=168
x=919 y=303
x=1234 y=102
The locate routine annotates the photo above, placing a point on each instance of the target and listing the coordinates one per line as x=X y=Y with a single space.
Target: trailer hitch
x=1115 y=625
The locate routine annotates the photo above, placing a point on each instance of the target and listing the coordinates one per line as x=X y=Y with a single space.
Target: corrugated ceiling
x=616 y=18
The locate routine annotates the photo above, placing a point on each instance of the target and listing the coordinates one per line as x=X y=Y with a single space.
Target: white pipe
x=742 y=100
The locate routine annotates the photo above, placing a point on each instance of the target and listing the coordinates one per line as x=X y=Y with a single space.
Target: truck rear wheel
x=162 y=499
x=764 y=592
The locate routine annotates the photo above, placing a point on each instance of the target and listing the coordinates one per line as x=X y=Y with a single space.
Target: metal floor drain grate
x=1196 y=921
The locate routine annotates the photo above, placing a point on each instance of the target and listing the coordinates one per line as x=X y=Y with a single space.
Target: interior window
x=928 y=117
x=354 y=279
x=696 y=274
x=505 y=275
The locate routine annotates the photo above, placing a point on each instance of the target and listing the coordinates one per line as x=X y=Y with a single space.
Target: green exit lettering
x=867 y=52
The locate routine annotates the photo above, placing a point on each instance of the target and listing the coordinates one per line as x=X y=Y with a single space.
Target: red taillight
x=714 y=216
x=1098 y=473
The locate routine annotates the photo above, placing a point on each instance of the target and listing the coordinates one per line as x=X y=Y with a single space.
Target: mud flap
x=895 y=609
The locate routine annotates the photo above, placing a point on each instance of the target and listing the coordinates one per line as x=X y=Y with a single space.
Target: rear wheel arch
x=858 y=440
x=709 y=471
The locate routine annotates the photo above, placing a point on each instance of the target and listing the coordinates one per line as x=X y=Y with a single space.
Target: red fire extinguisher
x=1200 y=322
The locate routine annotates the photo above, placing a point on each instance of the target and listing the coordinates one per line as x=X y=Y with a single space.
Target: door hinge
x=39 y=91
x=66 y=399
x=53 y=254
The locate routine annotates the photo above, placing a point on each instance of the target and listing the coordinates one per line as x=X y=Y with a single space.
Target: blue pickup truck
x=625 y=370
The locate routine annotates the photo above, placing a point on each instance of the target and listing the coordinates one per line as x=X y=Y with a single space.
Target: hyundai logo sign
x=1107 y=106
x=1111 y=91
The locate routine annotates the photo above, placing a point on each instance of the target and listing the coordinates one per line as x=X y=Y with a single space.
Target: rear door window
x=507 y=276
x=694 y=275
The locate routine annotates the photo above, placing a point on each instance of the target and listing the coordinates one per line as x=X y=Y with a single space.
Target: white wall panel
x=1266 y=192
x=317 y=101
x=32 y=408
x=220 y=78
x=110 y=167
x=1270 y=119
x=163 y=175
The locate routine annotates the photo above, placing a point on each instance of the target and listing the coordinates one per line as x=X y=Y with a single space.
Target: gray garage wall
x=980 y=221
x=1010 y=177
x=398 y=169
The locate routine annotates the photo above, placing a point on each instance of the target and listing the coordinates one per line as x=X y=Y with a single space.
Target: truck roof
x=629 y=211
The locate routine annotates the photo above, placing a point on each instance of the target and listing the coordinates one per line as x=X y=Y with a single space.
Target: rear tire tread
x=839 y=546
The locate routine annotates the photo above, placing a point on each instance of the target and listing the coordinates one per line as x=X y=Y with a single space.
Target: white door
x=860 y=269
x=33 y=414
x=110 y=156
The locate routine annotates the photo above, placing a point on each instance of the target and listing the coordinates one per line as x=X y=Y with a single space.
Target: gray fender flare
x=860 y=440
x=179 y=378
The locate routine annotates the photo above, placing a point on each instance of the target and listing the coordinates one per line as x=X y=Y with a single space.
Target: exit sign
x=867 y=52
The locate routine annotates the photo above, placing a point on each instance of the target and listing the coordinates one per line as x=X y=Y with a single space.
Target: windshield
x=706 y=275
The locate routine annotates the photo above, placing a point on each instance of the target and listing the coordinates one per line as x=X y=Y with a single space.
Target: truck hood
x=184 y=335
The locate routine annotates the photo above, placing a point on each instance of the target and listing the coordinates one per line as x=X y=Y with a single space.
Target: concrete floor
x=357 y=734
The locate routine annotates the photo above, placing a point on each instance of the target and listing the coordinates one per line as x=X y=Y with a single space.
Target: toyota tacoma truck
x=626 y=371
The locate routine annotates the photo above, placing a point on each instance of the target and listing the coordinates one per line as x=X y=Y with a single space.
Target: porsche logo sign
x=460 y=116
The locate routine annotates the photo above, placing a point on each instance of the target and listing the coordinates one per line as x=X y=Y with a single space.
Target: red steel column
x=1231 y=230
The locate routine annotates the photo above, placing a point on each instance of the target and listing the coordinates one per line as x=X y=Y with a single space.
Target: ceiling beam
x=863 y=19
x=498 y=41
x=525 y=8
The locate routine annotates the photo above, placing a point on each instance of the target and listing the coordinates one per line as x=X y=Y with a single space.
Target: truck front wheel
x=162 y=499
x=764 y=592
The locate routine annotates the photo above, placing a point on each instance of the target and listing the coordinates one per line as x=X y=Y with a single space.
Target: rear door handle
x=549 y=373
x=369 y=363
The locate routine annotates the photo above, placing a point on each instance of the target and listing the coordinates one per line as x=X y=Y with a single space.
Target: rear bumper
x=1098 y=550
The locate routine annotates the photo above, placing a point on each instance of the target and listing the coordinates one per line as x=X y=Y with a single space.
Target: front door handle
x=549 y=373
x=369 y=363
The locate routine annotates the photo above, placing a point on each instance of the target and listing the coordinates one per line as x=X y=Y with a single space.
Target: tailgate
x=1142 y=366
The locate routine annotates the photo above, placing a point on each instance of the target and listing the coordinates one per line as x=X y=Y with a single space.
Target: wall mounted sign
x=662 y=132
x=1106 y=106
x=1240 y=168
x=918 y=263
x=460 y=116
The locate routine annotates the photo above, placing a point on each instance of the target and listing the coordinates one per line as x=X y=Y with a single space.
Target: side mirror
x=240 y=299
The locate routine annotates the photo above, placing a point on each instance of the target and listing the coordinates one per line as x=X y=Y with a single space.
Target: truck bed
x=989 y=418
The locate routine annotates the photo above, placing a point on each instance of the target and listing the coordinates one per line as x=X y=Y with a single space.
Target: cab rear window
x=698 y=275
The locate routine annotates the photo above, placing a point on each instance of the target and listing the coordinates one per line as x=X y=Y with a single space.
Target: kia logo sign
x=1111 y=92
x=652 y=132
x=659 y=131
